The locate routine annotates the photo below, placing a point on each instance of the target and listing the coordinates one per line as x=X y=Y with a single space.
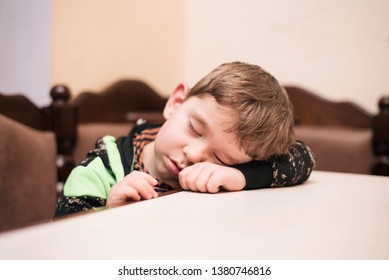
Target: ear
x=175 y=100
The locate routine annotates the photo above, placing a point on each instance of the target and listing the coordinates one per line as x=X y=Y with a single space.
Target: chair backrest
x=20 y=108
x=311 y=109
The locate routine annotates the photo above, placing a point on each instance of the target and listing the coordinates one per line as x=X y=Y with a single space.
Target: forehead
x=207 y=111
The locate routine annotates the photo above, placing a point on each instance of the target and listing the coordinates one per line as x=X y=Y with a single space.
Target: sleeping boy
x=232 y=131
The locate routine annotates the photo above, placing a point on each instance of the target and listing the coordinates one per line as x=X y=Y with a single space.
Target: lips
x=172 y=166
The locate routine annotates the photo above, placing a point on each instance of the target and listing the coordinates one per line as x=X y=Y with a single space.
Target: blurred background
x=338 y=49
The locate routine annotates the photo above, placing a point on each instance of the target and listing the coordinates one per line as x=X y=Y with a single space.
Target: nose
x=195 y=152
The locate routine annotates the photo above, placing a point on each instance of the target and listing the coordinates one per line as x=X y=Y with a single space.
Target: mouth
x=173 y=166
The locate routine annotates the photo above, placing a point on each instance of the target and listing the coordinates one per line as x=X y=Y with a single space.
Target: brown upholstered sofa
x=40 y=146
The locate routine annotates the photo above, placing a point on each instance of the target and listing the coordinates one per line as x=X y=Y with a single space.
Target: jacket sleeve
x=87 y=187
x=67 y=205
x=287 y=170
x=89 y=183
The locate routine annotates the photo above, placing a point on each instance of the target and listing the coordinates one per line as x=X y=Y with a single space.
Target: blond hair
x=264 y=124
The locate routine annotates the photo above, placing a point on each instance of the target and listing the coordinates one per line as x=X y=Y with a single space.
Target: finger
x=207 y=171
x=202 y=180
x=214 y=183
x=182 y=178
x=145 y=190
x=143 y=182
x=119 y=195
x=138 y=174
x=132 y=193
x=150 y=179
x=191 y=177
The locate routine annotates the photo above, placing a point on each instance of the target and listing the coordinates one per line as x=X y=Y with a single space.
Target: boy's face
x=195 y=131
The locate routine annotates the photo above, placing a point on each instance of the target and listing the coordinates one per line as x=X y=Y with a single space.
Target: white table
x=331 y=216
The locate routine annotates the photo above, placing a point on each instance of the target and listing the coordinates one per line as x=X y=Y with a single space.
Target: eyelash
x=218 y=159
x=190 y=125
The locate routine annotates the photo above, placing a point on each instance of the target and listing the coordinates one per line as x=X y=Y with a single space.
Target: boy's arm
x=89 y=183
x=67 y=205
x=99 y=180
x=286 y=170
x=86 y=188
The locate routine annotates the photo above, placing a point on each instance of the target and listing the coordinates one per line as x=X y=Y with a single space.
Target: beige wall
x=96 y=42
x=338 y=49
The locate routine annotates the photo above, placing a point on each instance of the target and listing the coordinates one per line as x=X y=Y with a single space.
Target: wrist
x=236 y=180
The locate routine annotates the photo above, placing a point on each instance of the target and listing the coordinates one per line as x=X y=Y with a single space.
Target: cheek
x=175 y=127
x=167 y=136
x=162 y=138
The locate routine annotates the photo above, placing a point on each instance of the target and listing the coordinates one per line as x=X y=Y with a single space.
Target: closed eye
x=192 y=129
x=218 y=159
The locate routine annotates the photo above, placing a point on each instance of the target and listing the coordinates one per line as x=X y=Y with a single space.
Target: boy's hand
x=210 y=177
x=134 y=186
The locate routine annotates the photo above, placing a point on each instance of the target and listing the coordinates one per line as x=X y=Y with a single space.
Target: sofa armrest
x=28 y=175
